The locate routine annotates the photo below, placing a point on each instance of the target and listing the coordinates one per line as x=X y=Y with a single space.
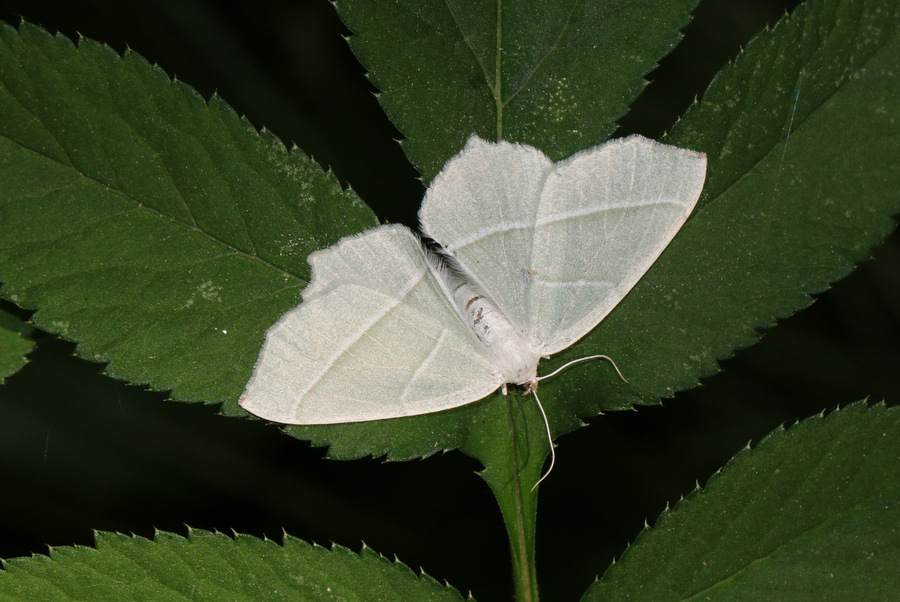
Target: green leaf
x=801 y=135
x=812 y=511
x=212 y=566
x=162 y=233
x=166 y=235
x=555 y=74
x=14 y=343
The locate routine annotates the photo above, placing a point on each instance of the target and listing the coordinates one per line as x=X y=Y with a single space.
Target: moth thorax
x=516 y=354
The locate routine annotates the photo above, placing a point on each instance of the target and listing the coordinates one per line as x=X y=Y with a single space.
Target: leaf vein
x=157 y=212
x=540 y=62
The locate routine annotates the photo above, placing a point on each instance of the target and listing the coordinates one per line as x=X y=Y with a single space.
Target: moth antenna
x=549 y=438
x=544 y=414
x=582 y=359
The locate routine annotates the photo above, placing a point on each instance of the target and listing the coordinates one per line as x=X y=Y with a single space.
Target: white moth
x=534 y=255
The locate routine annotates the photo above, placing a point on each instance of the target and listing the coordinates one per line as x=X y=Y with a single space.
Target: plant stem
x=524 y=449
x=521 y=528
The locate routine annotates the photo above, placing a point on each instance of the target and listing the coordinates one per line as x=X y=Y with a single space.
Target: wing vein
x=349 y=342
x=585 y=211
x=425 y=364
x=490 y=231
x=574 y=283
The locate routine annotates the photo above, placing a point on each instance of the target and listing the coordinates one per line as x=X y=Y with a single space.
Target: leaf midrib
x=141 y=205
x=810 y=529
x=540 y=62
x=800 y=126
x=496 y=89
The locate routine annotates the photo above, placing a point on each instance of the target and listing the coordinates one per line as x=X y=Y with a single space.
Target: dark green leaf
x=212 y=566
x=811 y=513
x=14 y=344
x=163 y=234
x=555 y=74
x=802 y=136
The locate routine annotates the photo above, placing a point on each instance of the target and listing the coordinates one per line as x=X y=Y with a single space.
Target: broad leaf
x=797 y=192
x=555 y=74
x=14 y=343
x=813 y=510
x=804 y=178
x=162 y=233
x=212 y=566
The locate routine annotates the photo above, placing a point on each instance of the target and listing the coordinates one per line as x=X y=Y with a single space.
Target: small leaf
x=14 y=343
x=212 y=566
x=555 y=74
x=811 y=511
x=161 y=233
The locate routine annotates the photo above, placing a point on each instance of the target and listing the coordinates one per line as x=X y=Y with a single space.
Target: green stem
x=511 y=473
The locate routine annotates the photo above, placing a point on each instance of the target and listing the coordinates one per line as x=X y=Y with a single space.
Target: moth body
x=516 y=353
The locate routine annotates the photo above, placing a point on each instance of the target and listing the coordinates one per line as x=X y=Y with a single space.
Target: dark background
x=80 y=451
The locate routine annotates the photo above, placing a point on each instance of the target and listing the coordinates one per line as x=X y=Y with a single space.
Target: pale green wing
x=604 y=217
x=481 y=209
x=374 y=338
